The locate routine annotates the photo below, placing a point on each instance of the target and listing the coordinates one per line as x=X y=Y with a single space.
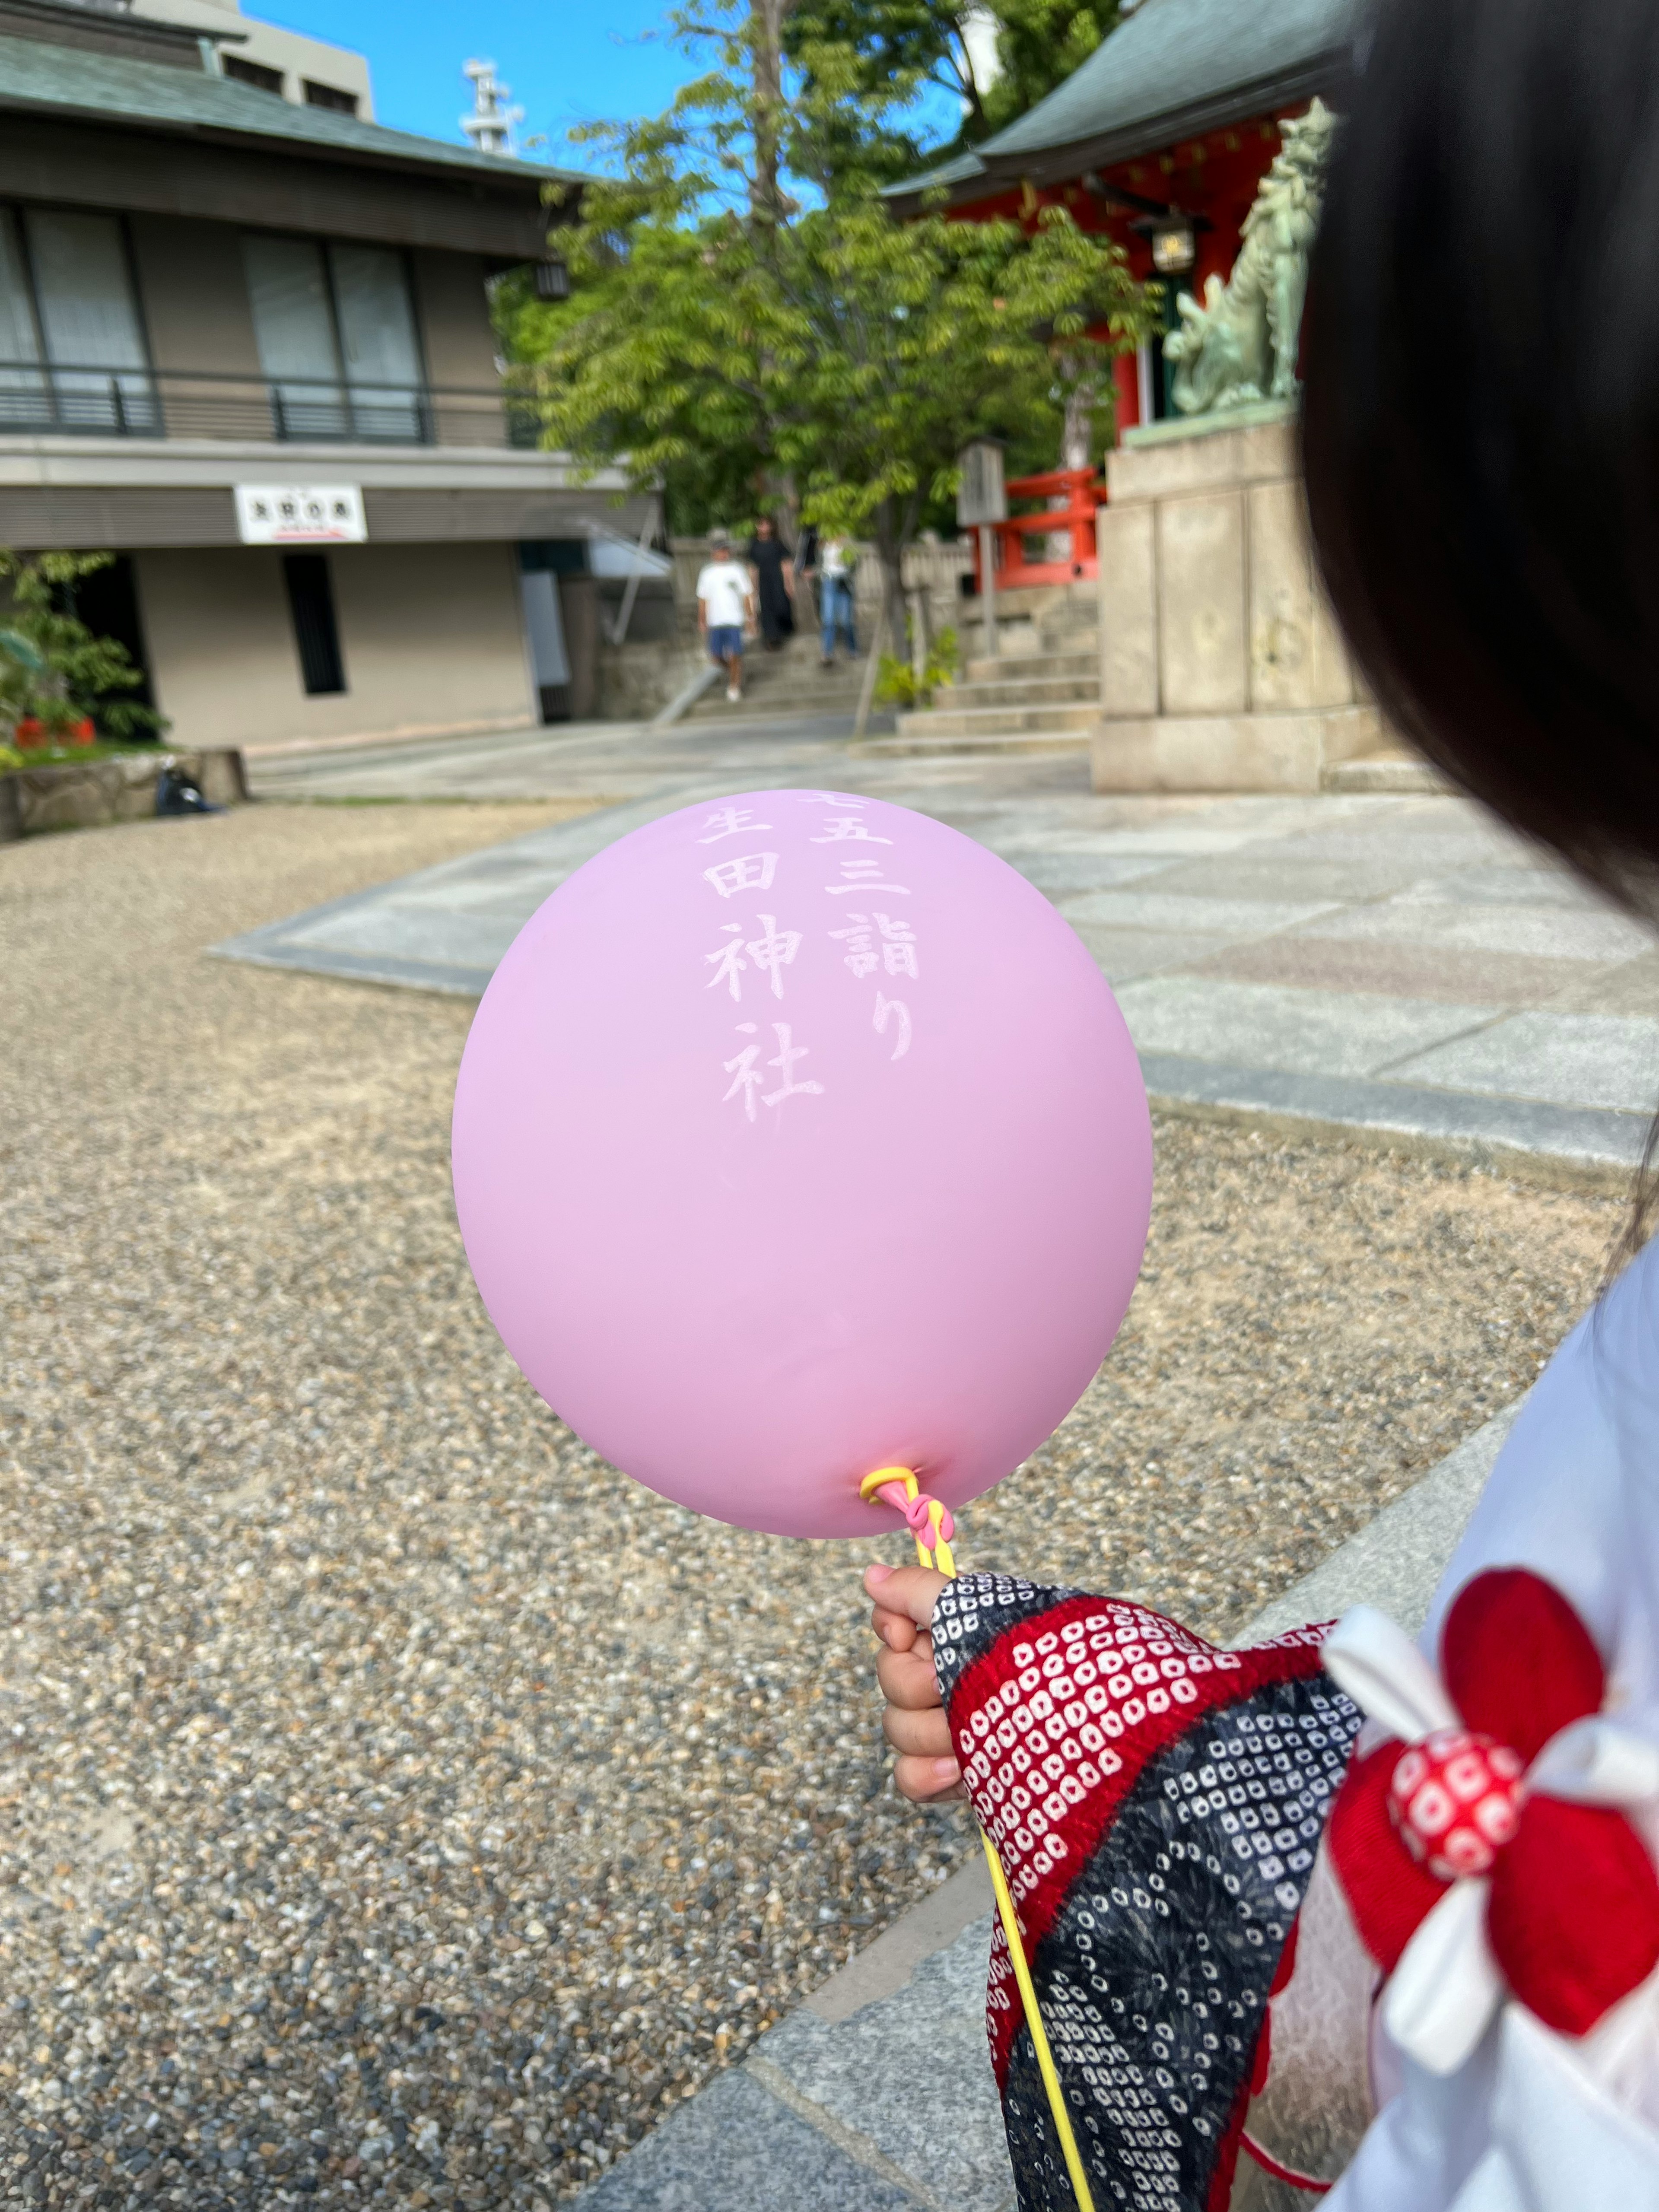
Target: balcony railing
x=82 y=400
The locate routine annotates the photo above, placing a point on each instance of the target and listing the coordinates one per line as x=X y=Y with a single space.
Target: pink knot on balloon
x=919 y=1513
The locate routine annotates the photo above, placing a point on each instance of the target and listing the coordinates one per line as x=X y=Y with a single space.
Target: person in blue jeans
x=835 y=598
x=726 y=609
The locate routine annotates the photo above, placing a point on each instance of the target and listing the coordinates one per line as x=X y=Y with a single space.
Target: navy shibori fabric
x=1157 y=1804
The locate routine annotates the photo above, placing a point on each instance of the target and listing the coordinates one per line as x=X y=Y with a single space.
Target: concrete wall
x=1222 y=668
x=431 y=637
x=452 y=310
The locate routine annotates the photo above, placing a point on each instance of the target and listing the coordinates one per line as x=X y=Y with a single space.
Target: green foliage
x=749 y=326
x=910 y=45
x=896 y=679
x=52 y=667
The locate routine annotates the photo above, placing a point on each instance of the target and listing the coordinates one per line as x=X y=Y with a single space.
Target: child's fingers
x=928 y=1781
x=911 y=1592
x=896 y=1629
x=907 y=1678
x=923 y=1735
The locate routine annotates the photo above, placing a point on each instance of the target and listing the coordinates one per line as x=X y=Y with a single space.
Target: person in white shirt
x=726 y=607
x=836 y=610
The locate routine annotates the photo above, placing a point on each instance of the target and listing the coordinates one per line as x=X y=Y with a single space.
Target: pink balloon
x=796 y=1136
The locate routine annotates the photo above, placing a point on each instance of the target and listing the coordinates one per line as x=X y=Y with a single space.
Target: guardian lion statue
x=1241 y=345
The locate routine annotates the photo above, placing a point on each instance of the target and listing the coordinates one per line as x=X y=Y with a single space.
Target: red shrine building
x=1160 y=139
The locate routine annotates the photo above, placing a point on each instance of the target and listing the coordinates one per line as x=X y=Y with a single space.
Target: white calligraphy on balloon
x=730 y=822
x=730 y=962
x=895 y=949
x=861 y=876
x=753 y=872
x=771 y=953
x=885 y=1010
x=746 y=1078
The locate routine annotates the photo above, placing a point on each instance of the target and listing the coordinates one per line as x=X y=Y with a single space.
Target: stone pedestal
x=1221 y=665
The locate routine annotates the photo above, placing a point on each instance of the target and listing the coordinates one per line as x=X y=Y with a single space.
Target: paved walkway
x=1387 y=963
x=1390 y=963
x=877 y=2092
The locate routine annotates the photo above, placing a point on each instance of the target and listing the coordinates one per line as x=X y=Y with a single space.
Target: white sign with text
x=300 y=514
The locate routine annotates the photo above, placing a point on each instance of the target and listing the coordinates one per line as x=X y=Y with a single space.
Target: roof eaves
x=965 y=169
x=988 y=172
x=1151 y=134
x=304 y=133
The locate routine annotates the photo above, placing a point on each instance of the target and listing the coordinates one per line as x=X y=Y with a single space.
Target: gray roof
x=112 y=89
x=1172 y=69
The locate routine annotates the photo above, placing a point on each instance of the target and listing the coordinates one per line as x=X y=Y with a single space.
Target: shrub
x=895 y=680
x=52 y=669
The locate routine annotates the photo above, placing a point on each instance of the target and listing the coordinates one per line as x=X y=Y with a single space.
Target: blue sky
x=567 y=61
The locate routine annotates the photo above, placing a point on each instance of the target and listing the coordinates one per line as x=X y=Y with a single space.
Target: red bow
x=1573 y=1909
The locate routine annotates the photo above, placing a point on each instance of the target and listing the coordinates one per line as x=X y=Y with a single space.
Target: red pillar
x=1126 y=379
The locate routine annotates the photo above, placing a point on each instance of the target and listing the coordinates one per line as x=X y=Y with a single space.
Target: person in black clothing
x=774 y=583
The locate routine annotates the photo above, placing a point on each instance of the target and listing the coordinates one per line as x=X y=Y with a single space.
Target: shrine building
x=1160 y=140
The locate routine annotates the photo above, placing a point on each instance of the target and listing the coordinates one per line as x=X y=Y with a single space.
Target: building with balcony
x=245 y=345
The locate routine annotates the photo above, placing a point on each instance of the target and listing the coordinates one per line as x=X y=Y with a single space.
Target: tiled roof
x=110 y=88
x=1173 y=68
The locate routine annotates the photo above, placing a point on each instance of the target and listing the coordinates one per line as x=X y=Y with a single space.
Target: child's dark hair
x=1482 y=417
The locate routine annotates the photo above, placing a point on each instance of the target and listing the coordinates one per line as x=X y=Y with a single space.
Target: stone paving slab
x=736 y=2144
x=1506 y=1133
x=1392 y=964
x=1597 y=1059
x=886 y=2064
x=1302 y=1032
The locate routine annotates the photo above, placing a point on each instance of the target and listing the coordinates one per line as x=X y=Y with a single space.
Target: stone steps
x=1040 y=694
x=914 y=742
x=789 y=682
x=1011 y=721
x=1382 y=772
x=1047 y=689
x=1083 y=661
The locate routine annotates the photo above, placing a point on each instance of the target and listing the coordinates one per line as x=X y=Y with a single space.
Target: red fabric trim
x=1269 y=2164
x=1387 y=1892
x=1573 y=1915
x=1518 y=1662
x=1286 y=1967
x=1208 y=1679
x=1227 y=2163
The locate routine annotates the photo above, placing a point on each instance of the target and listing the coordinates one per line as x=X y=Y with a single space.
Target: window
x=336 y=332
x=316 y=634
x=254 y=73
x=74 y=356
x=330 y=95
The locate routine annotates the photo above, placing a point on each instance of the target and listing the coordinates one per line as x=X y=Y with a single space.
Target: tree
x=993 y=60
x=53 y=670
x=745 y=311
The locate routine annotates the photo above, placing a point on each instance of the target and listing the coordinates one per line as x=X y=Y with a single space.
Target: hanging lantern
x=1174 y=247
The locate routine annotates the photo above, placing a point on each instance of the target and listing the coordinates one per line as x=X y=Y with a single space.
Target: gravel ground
x=399 y=1805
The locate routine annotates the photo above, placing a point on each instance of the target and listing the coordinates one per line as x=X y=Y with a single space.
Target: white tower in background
x=490 y=126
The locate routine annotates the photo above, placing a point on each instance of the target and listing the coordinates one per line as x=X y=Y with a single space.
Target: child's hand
x=914 y=1722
